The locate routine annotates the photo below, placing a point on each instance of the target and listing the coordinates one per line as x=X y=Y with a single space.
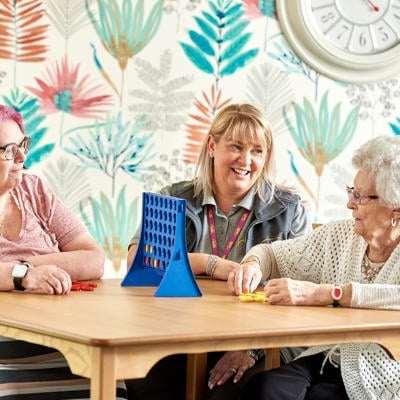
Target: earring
x=211 y=154
x=393 y=222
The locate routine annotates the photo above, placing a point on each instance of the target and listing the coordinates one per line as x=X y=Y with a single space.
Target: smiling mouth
x=242 y=172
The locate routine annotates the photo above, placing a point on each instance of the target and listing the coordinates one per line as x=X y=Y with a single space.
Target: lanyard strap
x=213 y=233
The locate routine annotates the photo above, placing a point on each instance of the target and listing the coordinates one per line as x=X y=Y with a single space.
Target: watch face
x=19 y=270
x=357 y=26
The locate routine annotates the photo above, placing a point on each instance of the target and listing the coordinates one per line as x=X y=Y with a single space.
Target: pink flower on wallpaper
x=61 y=89
x=259 y=9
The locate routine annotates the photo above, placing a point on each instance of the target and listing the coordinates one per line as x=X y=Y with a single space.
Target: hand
x=224 y=267
x=285 y=291
x=47 y=279
x=246 y=278
x=232 y=364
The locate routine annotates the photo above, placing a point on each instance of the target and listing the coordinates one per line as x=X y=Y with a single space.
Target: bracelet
x=251 y=259
x=211 y=265
x=255 y=354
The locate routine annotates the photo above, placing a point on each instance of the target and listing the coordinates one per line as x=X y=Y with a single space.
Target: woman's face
x=10 y=170
x=237 y=164
x=372 y=219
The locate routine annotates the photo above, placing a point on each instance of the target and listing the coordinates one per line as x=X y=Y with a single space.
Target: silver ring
x=233 y=370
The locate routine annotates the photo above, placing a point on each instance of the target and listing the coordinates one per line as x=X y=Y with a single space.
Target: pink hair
x=9 y=113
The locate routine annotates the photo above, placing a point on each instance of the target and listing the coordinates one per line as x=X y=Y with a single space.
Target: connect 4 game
x=161 y=257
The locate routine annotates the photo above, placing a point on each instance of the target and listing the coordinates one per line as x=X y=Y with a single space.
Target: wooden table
x=121 y=332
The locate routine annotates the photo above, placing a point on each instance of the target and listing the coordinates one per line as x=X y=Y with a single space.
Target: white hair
x=380 y=158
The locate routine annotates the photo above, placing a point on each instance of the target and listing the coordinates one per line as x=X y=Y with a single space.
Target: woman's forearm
x=80 y=264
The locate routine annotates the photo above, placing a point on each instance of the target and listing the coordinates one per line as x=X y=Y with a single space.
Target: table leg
x=272 y=358
x=103 y=381
x=196 y=373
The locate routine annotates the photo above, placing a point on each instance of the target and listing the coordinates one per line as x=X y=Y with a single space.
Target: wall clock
x=354 y=41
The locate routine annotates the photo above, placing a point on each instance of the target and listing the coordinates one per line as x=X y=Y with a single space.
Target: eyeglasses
x=359 y=198
x=10 y=150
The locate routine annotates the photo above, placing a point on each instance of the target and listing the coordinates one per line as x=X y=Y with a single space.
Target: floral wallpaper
x=118 y=94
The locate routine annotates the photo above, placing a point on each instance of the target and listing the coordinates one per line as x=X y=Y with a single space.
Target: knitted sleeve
x=375 y=296
x=268 y=265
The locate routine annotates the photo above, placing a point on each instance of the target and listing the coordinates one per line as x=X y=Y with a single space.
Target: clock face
x=354 y=41
x=357 y=26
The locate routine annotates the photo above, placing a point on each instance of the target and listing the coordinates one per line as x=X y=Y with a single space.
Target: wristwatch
x=337 y=294
x=18 y=273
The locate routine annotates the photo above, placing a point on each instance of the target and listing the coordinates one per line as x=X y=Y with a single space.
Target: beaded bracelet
x=211 y=265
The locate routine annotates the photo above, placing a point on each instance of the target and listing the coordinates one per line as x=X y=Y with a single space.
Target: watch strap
x=18 y=280
x=18 y=284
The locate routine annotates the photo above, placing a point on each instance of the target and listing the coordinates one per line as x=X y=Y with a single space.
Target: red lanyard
x=213 y=233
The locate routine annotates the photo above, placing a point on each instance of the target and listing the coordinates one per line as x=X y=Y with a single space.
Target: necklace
x=370 y=269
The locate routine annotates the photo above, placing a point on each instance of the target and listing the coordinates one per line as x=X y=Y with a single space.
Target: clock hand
x=374 y=7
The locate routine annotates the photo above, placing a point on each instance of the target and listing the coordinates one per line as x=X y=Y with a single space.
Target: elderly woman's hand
x=246 y=278
x=285 y=291
x=47 y=279
x=232 y=365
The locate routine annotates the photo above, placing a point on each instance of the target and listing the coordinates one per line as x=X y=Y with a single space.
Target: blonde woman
x=232 y=204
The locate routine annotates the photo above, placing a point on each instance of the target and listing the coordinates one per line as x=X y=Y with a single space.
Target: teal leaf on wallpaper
x=235 y=31
x=395 y=128
x=202 y=43
x=113 y=146
x=36 y=155
x=38 y=135
x=219 y=48
x=267 y=7
x=318 y=134
x=206 y=28
x=235 y=47
x=210 y=18
x=239 y=62
x=232 y=13
x=197 y=58
x=289 y=60
x=124 y=31
x=29 y=108
x=297 y=174
x=112 y=226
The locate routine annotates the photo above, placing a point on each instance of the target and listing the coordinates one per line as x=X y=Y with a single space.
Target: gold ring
x=233 y=370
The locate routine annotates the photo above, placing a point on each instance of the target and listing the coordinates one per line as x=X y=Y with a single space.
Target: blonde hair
x=241 y=122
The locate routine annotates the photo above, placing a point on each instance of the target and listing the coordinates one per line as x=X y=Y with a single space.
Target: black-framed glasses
x=10 y=150
x=358 y=197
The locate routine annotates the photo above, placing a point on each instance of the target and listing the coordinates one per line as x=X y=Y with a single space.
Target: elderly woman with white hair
x=348 y=263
